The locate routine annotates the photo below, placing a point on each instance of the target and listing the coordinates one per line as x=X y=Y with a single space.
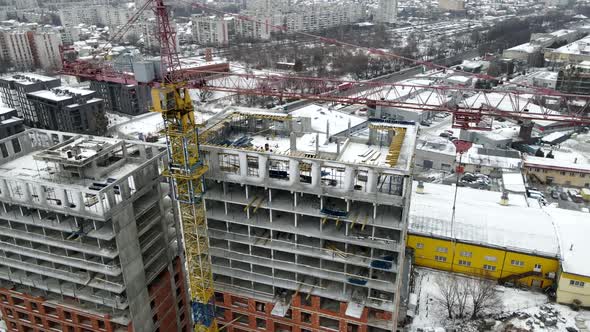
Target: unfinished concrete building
x=307 y=230
x=87 y=237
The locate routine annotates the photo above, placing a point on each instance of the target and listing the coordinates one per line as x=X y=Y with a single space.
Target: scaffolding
x=186 y=170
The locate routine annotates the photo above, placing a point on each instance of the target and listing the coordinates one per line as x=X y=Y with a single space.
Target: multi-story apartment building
x=306 y=229
x=69 y=110
x=10 y=123
x=14 y=89
x=211 y=30
x=452 y=5
x=45 y=47
x=15 y=49
x=387 y=11
x=87 y=235
x=129 y=99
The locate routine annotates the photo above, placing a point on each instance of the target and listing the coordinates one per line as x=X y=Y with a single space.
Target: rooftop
x=305 y=136
x=578 y=47
x=573 y=234
x=480 y=219
x=78 y=162
x=557 y=164
x=62 y=93
x=28 y=78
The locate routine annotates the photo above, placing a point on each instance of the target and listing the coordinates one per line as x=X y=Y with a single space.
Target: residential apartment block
x=68 y=109
x=87 y=236
x=14 y=89
x=10 y=123
x=307 y=230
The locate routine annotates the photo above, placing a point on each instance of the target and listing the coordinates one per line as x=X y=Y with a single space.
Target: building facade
x=387 y=11
x=10 y=123
x=210 y=30
x=14 y=90
x=486 y=237
x=45 y=46
x=557 y=172
x=451 y=5
x=307 y=239
x=123 y=98
x=94 y=246
x=15 y=49
x=69 y=110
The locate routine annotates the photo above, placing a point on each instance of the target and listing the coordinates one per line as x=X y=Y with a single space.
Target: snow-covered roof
x=577 y=47
x=503 y=159
x=556 y=164
x=60 y=94
x=320 y=116
x=480 y=219
x=573 y=229
x=513 y=182
x=526 y=48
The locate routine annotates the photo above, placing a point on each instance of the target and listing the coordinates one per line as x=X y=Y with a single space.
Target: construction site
x=88 y=239
x=307 y=230
x=291 y=218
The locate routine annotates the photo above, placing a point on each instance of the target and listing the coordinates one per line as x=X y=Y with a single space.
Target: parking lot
x=563 y=199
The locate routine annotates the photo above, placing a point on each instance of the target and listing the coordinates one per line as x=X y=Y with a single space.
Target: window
x=517 y=263
x=538 y=267
x=562 y=173
x=466 y=254
x=576 y=283
x=582 y=175
x=572 y=174
x=489 y=267
x=490 y=258
x=442 y=249
x=440 y=258
x=229 y=163
x=419 y=245
x=464 y=263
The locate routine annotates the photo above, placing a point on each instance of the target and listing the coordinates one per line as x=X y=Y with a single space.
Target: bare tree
x=483 y=296
x=447 y=293
x=462 y=290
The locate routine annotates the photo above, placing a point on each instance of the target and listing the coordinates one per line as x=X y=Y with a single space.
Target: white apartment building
x=210 y=30
x=15 y=48
x=46 y=50
x=452 y=5
x=387 y=11
x=96 y=15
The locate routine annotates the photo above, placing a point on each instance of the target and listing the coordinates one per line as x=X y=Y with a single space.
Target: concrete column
x=347 y=181
x=214 y=162
x=371 y=181
x=4 y=189
x=80 y=205
x=61 y=195
x=42 y=194
x=316 y=174
x=124 y=189
x=294 y=171
x=262 y=166
x=243 y=157
x=293 y=142
x=26 y=192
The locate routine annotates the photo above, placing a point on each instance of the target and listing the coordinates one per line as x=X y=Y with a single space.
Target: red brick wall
x=23 y=312
x=256 y=315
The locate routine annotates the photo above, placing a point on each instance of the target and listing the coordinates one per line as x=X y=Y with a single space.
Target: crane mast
x=185 y=170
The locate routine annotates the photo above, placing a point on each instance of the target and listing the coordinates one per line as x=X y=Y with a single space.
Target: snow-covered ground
x=430 y=315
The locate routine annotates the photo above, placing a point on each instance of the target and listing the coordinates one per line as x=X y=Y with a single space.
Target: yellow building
x=553 y=171
x=574 y=277
x=513 y=242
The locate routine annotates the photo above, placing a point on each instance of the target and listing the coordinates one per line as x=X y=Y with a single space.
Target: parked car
x=563 y=196
x=445 y=135
x=554 y=194
x=425 y=123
